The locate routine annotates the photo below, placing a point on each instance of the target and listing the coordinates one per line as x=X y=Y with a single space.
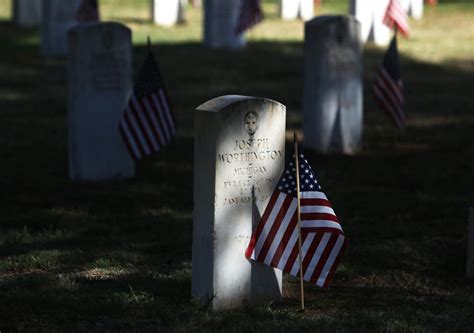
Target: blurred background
x=117 y=255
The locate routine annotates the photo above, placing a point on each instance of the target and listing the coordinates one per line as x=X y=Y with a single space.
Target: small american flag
x=147 y=123
x=388 y=86
x=250 y=14
x=88 y=11
x=275 y=241
x=396 y=17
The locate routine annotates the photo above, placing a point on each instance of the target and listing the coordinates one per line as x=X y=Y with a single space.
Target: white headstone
x=293 y=9
x=470 y=245
x=414 y=8
x=370 y=14
x=100 y=81
x=239 y=153
x=27 y=13
x=168 y=12
x=58 y=18
x=220 y=22
x=332 y=85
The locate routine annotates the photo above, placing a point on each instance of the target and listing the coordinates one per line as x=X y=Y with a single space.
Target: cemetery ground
x=117 y=255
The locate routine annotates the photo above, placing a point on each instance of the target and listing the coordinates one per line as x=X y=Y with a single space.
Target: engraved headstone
x=168 y=12
x=58 y=16
x=220 y=23
x=27 y=13
x=414 y=8
x=239 y=152
x=100 y=81
x=370 y=14
x=470 y=245
x=293 y=9
x=332 y=85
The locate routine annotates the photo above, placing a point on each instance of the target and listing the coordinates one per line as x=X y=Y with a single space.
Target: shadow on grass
x=71 y=252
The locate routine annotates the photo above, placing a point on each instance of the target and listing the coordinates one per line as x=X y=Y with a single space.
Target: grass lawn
x=117 y=255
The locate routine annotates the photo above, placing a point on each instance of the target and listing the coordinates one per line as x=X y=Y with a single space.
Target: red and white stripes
x=275 y=242
x=147 y=124
x=396 y=17
x=389 y=97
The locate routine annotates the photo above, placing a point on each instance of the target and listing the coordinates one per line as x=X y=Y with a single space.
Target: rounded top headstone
x=327 y=19
x=223 y=102
x=93 y=26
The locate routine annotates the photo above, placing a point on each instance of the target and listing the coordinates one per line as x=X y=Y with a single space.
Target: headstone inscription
x=168 y=12
x=414 y=8
x=293 y=9
x=220 y=23
x=370 y=14
x=332 y=105
x=100 y=81
x=58 y=16
x=27 y=13
x=239 y=153
x=470 y=245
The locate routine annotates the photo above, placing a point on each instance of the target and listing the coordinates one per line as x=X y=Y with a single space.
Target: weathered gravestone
x=470 y=245
x=100 y=80
x=414 y=8
x=293 y=9
x=220 y=23
x=332 y=84
x=58 y=16
x=168 y=12
x=239 y=152
x=27 y=13
x=370 y=14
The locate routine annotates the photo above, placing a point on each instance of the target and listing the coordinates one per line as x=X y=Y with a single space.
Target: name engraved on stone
x=238 y=154
x=105 y=70
x=100 y=80
x=343 y=60
x=248 y=177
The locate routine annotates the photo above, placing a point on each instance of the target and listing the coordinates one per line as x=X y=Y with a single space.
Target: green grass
x=86 y=257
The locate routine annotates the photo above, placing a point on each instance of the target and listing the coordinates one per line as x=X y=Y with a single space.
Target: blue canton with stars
x=308 y=181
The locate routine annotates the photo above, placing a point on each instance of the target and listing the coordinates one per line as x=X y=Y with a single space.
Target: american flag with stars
x=147 y=123
x=275 y=241
x=396 y=17
x=388 y=86
x=250 y=14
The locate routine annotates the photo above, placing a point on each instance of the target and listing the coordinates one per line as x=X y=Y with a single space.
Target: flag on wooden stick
x=147 y=123
x=396 y=17
x=250 y=14
x=88 y=11
x=388 y=86
x=275 y=241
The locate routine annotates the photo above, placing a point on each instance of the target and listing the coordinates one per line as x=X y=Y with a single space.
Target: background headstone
x=168 y=12
x=239 y=153
x=470 y=245
x=293 y=9
x=58 y=16
x=100 y=81
x=370 y=14
x=220 y=22
x=27 y=13
x=332 y=85
x=414 y=8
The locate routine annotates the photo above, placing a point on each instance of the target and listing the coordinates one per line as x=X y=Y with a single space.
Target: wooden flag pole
x=297 y=166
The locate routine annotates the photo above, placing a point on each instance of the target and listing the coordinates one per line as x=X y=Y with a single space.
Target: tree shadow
x=389 y=196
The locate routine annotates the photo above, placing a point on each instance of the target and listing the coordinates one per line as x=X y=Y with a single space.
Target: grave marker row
x=294 y=9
